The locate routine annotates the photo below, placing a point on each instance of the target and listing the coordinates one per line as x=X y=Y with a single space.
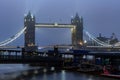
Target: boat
x=111 y=75
x=108 y=73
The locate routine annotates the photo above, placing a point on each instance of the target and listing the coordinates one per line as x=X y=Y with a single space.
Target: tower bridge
x=30 y=24
x=78 y=34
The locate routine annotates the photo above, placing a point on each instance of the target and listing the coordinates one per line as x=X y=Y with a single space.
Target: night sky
x=100 y=16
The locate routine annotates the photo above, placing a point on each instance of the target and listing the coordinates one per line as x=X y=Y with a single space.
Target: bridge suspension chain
x=11 y=39
x=96 y=40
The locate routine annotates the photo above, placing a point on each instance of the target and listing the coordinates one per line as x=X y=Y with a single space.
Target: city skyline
x=99 y=17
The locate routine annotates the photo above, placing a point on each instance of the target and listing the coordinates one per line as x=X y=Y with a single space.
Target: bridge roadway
x=117 y=48
x=51 y=58
x=55 y=25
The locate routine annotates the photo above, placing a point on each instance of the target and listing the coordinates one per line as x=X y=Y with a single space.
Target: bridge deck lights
x=56 y=24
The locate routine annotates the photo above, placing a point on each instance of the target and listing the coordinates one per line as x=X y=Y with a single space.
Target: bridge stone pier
x=30 y=24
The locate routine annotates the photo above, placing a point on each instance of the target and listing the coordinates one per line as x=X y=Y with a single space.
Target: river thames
x=24 y=72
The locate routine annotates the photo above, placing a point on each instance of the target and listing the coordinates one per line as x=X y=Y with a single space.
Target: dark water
x=65 y=75
x=24 y=72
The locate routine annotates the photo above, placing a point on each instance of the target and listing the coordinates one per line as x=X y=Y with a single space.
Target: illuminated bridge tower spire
x=29 y=23
x=77 y=38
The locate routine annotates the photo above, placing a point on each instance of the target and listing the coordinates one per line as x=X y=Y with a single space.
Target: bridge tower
x=29 y=23
x=77 y=33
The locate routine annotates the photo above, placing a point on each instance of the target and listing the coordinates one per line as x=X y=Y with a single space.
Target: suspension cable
x=96 y=40
x=11 y=39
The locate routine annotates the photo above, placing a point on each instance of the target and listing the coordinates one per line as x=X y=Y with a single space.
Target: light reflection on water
x=24 y=72
x=63 y=75
x=6 y=68
x=7 y=71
